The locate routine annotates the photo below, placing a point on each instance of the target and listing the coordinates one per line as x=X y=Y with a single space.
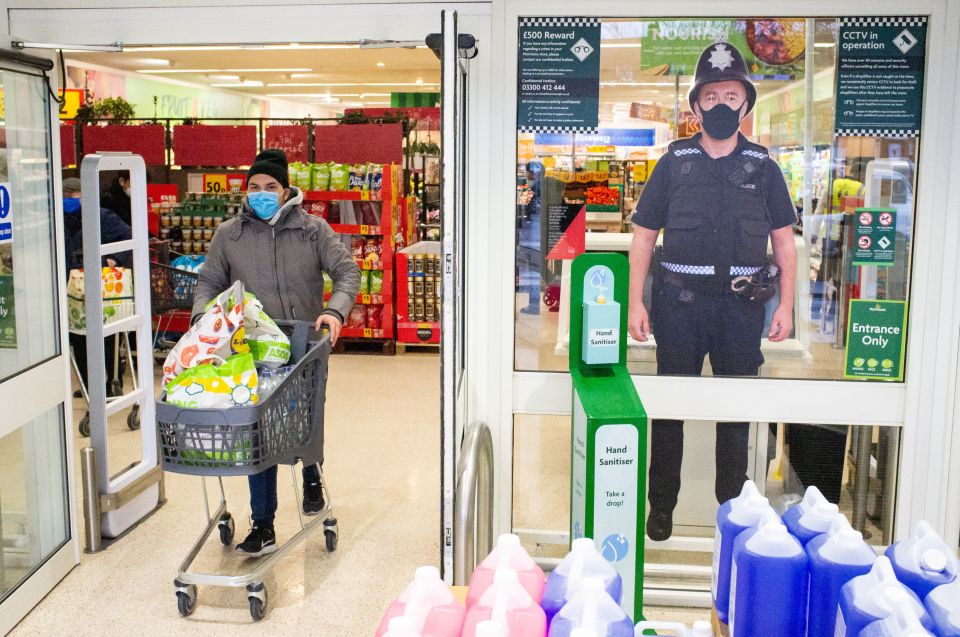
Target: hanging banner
x=559 y=75
x=880 y=66
x=876 y=236
x=771 y=48
x=875 y=339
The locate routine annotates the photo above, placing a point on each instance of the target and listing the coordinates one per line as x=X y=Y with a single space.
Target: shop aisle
x=383 y=466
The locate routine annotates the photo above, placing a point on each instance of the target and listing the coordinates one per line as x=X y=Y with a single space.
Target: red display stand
x=385 y=231
x=68 y=149
x=411 y=331
x=291 y=139
x=200 y=145
x=146 y=140
x=359 y=143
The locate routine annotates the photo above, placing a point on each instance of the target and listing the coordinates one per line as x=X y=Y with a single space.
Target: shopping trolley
x=114 y=309
x=285 y=427
x=171 y=289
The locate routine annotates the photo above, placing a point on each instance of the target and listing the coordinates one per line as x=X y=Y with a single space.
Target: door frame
x=30 y=394
x=923 y=406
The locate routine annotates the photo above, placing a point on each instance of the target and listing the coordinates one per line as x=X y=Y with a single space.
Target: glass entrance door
x=37 y=518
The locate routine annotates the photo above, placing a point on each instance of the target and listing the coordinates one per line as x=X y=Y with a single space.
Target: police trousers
x=688 y=326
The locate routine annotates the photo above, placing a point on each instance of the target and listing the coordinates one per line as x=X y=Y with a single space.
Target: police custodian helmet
x=718 y=63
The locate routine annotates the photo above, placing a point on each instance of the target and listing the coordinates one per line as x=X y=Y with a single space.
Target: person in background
x=112 y=229
x=718 y=199
x=530 y=252
x=280 y=253
x=117 y=196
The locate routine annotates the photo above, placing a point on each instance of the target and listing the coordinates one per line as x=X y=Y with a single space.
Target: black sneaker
x=261 y=541
x=313 y=501
x=659 y=525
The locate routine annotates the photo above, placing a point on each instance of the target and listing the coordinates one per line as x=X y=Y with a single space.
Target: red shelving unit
x=389 y=198
x=412 y=329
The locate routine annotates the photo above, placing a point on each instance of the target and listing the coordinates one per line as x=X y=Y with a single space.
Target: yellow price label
x=215 y=184
x=365 y=299
x=367 y=332
x=364 y=229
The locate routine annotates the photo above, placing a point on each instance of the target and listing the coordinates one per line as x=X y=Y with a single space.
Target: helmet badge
x=720 y=57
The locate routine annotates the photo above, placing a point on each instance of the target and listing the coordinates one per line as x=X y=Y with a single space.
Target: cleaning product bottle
x=768 y=582
x=592 y=608
x=491 y=628
x=582 y=562
x=870 y=597
x=506 y=555
x=836 y=557
x=733 y=518
x=430 y=603
x=923 y=561
x=583 y=632
x=401 y=626
x=943 y=604
x=902 y=622
x=509 y=604
x=700 y=629
x=811 y=517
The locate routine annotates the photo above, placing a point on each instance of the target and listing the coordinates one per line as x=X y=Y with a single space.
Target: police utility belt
x=756 y=284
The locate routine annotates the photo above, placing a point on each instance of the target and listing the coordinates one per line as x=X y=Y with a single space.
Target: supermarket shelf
x=335 y=195
x=357 y=229
x=366 y=299
x=435 y=325
x=367 y=265
x=363 y=332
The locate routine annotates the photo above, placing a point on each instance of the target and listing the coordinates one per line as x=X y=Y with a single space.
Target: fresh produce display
x=603 y=195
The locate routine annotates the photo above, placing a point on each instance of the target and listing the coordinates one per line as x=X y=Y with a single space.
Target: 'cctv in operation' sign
x=6 y=214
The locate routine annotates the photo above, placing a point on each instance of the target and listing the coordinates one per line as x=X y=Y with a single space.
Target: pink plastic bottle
x=431 y=605
x=507 y=555
x=507 y=603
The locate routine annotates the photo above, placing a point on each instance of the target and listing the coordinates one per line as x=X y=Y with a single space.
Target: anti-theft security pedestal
x=609 y=468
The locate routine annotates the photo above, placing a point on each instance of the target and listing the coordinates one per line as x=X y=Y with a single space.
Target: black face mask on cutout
x=720 y=122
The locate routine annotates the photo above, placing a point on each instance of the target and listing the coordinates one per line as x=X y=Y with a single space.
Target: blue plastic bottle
x=592 y=608
x=902 y=622
x=768 y=583
x=583 y=561
x=943 y=604
x=733 y=518
x=811 y=517
x=871 y=597
x=836 y=557
x=923 y=561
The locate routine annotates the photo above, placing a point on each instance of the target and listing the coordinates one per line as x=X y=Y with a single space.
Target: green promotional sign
x=875 y=339
x=880 y=66
x=8 y=323
x=771 y=48
x=559 y=75
x=876 y=236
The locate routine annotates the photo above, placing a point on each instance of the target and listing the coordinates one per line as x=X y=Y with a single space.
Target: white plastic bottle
x=592 y=608
x=811 y=517
x=582 y=562
x=923 y=561
x=902 y=622
x=699 y=629
x=943 y=604
x=402 y=626
x=491 y=628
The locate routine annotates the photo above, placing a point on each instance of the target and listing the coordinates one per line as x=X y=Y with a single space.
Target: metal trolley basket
x=246 y=440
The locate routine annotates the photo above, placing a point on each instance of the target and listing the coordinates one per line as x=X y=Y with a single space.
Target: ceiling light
x=313 y=95
x=267 y=70
x=365 y=95
x=243 y=84
x=236 y=47
x=151 y=61
x=225 y=78
x=387 y=103
x=356 y=84
x=823 y=45
x=381 y=64
x=168 y=71
x=419 y=81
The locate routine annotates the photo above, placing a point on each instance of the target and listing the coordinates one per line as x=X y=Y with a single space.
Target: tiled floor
x=383 y=470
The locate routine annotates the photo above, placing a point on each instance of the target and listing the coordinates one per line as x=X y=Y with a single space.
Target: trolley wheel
x=133 y=418
x=257 y=596
x=187 y=601
x=227 y=528
x=116 y=387
x=85 y=425
x=331 y=537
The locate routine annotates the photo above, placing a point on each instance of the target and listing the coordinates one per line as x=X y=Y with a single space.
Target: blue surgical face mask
x=264 y=204
x=71 y=205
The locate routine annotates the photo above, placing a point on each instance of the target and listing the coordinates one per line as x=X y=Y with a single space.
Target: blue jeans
x=263 y=492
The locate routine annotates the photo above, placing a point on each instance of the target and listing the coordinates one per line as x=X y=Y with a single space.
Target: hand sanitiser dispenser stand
x=609 y=468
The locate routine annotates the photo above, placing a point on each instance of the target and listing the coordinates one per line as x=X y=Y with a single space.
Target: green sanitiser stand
x=609 y=468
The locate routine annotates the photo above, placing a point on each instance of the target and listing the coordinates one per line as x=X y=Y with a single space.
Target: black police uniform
x=716 y=216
